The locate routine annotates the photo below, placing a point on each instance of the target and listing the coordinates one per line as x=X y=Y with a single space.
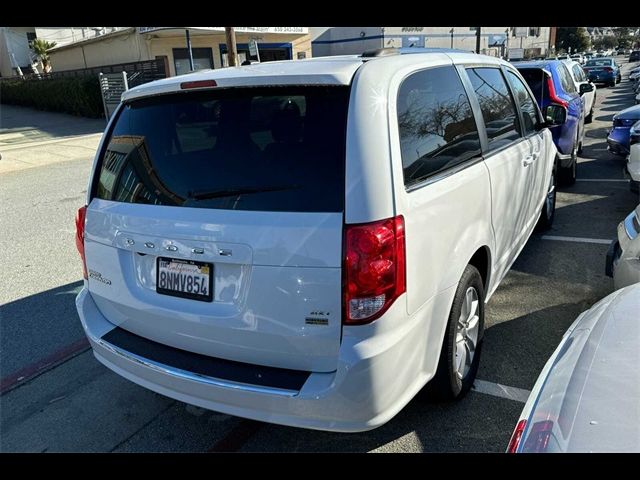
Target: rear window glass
x=537 y=81
x=266 y=148
x=605 y=62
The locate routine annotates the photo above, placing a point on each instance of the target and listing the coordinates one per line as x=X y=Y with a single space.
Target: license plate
x=185 y=278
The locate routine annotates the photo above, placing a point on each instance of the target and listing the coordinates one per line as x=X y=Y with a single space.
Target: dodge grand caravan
x=312 y=243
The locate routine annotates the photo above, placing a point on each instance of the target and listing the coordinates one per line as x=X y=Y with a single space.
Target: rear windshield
x=599 y=63
x=537 y=81
x=266 y=148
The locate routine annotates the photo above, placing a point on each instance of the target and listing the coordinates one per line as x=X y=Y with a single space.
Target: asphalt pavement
x=79 y=405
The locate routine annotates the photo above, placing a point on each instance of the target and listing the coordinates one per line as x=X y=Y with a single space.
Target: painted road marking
x=626 y=180
x=503 y=391
x=602 y=241
x=31 y=371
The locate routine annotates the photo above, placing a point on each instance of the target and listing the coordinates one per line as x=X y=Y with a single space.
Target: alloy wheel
x=467 y=333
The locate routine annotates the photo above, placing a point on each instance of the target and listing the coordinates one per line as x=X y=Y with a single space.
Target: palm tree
x=40 y=48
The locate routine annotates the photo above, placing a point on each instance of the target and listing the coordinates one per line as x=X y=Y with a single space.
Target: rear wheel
x=549 y=207
x=460 y=354
x=589 y=118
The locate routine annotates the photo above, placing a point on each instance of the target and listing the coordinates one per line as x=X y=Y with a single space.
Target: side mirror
x=586 y=87
x=554 y=115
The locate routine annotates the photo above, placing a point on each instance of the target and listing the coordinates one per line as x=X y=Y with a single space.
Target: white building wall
x=65 y=35
x=14 y=49
x=341 y=40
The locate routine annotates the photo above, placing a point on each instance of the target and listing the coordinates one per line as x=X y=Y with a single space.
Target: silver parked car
x=623 y=256
x=587 y=397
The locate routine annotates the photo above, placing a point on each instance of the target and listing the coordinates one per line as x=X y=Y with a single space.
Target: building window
x=31 y=36
x=202 y=59
x=534 y=31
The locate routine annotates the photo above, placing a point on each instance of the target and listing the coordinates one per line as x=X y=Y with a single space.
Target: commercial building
x=16 y=55
x=496 y=41
x=208 y=47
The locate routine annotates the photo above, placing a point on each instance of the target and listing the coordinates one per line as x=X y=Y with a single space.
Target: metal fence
x=146 y=71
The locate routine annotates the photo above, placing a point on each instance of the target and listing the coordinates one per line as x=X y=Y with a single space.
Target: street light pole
x=189 y=50
x=232 y=50
x=478 y=39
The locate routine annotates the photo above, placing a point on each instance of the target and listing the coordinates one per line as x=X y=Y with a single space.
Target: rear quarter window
x=267 y=149
x=436 y=124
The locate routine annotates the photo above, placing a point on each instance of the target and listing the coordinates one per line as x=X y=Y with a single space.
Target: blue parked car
x=603 y=70
x=551 y=83
x=618 y=139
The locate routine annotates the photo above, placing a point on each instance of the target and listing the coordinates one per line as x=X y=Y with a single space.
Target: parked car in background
x=268 y=242
x=586 y=397
x=589 y=95
x=552 y=84
x=618 y=138
x=577 y=58
x=562 y=57
x=603 y=70
x=623 y=256
x=633 y=160
x=634 y=56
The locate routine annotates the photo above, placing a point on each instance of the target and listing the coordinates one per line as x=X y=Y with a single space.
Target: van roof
x=335 y=70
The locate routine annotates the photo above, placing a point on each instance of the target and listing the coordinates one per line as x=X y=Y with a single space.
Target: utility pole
x=478 y=39
x=451 y=32
x=189 y=50
x=232 y=50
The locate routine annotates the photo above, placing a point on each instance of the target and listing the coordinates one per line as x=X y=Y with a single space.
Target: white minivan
x=310 y=243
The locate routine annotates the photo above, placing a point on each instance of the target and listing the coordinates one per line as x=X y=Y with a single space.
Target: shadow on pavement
x=25 y=123
x=37 y=326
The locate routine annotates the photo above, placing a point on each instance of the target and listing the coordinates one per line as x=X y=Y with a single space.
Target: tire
x=453 y=379
x=548 y=213
x=612 y=84
x=567 y=176
x=589 y=118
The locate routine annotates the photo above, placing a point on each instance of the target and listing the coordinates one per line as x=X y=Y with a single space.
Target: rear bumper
x=565 y=161
x=616 y=147
x=372 y=383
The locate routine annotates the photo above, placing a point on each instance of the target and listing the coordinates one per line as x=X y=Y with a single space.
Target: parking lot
x=57 y=397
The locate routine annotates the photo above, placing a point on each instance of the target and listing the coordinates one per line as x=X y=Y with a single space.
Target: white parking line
x=626 y=180
x=602 y=241
x=502 y=391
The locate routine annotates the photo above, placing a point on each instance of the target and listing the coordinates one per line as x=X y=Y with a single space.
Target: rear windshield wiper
x=232 y=192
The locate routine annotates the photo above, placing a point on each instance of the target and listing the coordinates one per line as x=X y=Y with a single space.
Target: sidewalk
x=33 y=138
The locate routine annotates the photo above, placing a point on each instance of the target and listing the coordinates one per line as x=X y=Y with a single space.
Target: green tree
x=41 y=48
x=575 y=38
x=605 y=43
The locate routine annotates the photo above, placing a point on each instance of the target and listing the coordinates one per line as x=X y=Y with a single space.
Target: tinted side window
x=436 y=123
x=565 y=80
x=578 y=74
x=498 y=109
x=527 y=104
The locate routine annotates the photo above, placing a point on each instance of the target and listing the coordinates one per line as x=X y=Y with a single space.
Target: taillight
x=374 y=268
x=80 y=220
x=538 y=438
x=554 y=96
x=608 y=69
x=516 y=436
